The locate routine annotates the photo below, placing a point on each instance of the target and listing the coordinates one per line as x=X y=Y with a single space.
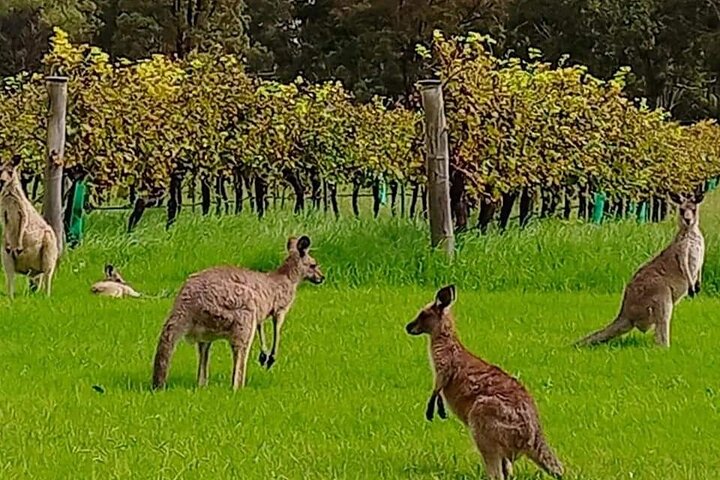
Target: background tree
x=26 y=26
x=667 y=43
x=672 y=46
x=138 y=28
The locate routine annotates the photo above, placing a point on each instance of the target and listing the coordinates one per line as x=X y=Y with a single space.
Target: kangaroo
x=500 y=413
x=29 y=243
x=662 y=282
x=232 y=303
x=113 y=285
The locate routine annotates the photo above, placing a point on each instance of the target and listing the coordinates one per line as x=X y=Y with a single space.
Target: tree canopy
x=671 y=46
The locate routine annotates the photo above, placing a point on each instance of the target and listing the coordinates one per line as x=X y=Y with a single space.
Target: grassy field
x=346 y=398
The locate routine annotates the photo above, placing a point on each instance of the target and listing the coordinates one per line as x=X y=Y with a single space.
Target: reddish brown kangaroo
x=662 y=282
x=232 y=303
x=500 y=413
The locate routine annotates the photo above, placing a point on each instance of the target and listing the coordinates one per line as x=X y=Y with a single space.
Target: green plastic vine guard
x=383 y=191
x=77 y=222
x=632 y=208
x=599 y=208
x=642 y=212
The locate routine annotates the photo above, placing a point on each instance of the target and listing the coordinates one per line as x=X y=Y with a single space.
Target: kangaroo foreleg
x=436 y=399
x=263 y=348
x=277 y=321
x=683 y=260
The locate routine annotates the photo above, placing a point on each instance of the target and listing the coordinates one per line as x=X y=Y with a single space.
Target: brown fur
x=661 y=283
x=500 y=413
x=232 y=303
x=113 y=285
x=29 y=243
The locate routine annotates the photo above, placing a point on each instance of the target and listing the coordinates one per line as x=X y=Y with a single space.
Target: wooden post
x=52 y=201
x=437 y=165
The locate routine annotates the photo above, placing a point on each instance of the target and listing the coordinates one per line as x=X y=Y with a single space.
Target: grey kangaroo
x=113 y=285
x=29 y=244
x=662 y=282
x=232 y=303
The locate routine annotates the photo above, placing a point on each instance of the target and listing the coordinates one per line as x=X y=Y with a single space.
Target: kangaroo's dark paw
x=263 y=358
x=441 y=408
x=697 y=287
x=16 y=252
x=270 y=361
x=429 y=413
x=430 y=410
x=691 y=292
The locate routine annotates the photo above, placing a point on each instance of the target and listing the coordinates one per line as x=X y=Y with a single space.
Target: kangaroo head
x=435 y=315
x=112 y=275
x=299 y=248
x=689 y=209
x=9 y=172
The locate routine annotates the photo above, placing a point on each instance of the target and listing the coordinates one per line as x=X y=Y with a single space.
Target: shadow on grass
x=424 y=468
x=140 y=382
x=628 y=341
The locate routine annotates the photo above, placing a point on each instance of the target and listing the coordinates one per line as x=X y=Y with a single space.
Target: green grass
x=346 y=398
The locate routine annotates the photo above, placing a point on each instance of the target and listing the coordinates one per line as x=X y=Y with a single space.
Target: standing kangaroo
x=29 y=244
x=500 y=413
x=661 y=283
x=232 y=303
x=113 y=285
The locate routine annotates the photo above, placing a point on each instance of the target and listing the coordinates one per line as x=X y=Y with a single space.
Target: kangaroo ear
x=445 y=296
x=109 y=269
x=699 y=194
x=291 y=244
x=15 y=160
x=303 y=245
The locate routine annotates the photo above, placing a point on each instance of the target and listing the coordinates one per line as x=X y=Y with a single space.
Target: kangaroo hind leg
x=240 y=343
x=9 y=267
x=48 y=259
x=493 y=465
x=203 y=361
x=507 y=467
x=662 y=315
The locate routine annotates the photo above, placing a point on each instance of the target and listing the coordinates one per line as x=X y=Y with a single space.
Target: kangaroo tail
x=619 y=327
x=132 y=293
x=545 y=458
x=169 y=337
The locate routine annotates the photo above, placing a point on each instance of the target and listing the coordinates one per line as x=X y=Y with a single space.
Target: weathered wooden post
x=437 y=165
x=52 y=201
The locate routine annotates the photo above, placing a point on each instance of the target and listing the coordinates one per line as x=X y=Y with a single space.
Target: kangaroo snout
x=317 y=280
x=411 y=328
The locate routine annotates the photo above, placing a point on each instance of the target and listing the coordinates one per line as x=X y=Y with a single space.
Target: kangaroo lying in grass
x=500 y=413
x=232 y=303
x=113 y=285
x=29 y=243
x=662 y=282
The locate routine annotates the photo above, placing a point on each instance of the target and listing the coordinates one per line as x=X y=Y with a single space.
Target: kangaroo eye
x=313 y=266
